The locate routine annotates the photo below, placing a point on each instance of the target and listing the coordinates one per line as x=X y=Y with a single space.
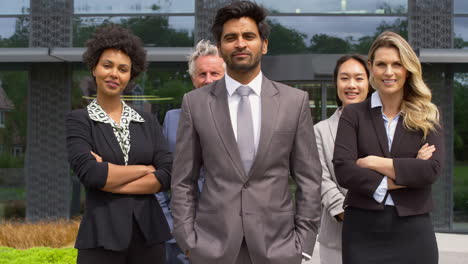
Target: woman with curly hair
x=121 y=157
x=389 y=151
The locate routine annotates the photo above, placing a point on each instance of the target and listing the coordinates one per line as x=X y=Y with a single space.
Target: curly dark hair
x=116 y=37
x=237 y=10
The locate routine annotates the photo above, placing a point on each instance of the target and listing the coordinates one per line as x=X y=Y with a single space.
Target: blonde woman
x=388 y=153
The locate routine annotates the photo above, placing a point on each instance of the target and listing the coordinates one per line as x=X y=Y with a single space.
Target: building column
x=430 y=25
x=205 y=11
x=48 y=184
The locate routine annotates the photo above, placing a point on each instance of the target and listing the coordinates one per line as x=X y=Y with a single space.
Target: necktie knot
x=244 y=90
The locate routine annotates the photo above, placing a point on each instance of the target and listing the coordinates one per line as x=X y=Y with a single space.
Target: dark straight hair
x=339 y=62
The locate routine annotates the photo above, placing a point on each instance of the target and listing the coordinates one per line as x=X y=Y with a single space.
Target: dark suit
x=361 y=133
x=109 y=218
x=257 y=207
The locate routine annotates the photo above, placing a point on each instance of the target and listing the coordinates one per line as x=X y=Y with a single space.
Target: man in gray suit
x=250 y=134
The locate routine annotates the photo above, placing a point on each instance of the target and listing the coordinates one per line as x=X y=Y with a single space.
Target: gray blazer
x=332 y=194
x=233 y=206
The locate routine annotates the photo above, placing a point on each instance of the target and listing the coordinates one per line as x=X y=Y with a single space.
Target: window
x=2 y=119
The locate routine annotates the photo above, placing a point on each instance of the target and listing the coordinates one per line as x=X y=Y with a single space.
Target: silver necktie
x=245 y=131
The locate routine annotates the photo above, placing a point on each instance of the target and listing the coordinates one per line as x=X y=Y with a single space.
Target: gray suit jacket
x=234 y=206
x=332 y=194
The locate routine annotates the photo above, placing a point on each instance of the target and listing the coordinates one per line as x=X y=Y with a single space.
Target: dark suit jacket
x=233 y=205
x=107 y=221
x=361 y=132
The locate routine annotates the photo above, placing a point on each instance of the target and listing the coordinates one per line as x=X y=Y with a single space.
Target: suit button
x=246 y=185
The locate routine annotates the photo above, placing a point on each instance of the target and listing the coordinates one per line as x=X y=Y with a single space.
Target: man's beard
x=243 y=67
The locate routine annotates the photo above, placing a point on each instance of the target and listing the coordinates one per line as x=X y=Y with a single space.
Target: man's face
x=207 y=70
x=241 y=45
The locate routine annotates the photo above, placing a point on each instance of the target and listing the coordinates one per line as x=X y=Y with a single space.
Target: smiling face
x=207 y=70
x=241 y=45
x=388 y=72
x=352 y=82
x=112 y=73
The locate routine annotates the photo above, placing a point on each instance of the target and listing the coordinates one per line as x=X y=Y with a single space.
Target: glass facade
x=155 y=31
x=16 y=7
x=132 y=6
x=13 y=135
x=336 y=6
x=298 y=27
x=460 y=6
x=331 y=34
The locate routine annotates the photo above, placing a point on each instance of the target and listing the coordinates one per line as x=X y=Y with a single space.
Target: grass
x=23 y=235
x=38 y=256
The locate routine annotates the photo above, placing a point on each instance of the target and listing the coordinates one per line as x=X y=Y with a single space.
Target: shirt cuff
x=381 y=190
x=306 y=256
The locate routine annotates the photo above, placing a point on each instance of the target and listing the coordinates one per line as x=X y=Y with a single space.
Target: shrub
x=23 y=235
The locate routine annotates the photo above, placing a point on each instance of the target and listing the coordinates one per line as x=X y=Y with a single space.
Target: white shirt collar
x=255 y=84
x=375 y=100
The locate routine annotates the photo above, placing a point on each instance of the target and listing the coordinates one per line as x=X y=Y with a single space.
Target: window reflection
x=134 y=6
x=460 y=169
x=16 y=7
x=329 y=34
x=460 y=7
x=461 y=32
x=13 y=127
x=14 y=32
x=337 y=6
x=155 y=31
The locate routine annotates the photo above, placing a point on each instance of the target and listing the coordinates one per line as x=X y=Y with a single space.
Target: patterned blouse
x=122 y=131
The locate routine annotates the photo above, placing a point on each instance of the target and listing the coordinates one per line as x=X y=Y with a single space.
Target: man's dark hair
x=116 y=37
x=237 y=10
x=340 y=62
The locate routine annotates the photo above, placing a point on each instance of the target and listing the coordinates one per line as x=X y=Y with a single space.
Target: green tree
x=322 y=43
x=21 y=36
x=285 y=40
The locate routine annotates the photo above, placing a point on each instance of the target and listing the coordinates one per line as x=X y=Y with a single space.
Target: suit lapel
x=379 y=128
x=109 y=135
x=269 y=109
x=222 y=119
x=398 y=135
x=333 y=124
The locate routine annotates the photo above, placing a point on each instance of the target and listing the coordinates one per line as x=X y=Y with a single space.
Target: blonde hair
x=419 y=113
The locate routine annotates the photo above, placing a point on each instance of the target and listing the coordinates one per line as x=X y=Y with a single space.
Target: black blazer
x=361 y=133
x=108 y=218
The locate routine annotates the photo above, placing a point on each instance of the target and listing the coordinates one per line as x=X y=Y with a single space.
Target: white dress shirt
x=390 y=127
x=255 y=103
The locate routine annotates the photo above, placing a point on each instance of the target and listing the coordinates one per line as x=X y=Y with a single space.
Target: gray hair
x=203 y=48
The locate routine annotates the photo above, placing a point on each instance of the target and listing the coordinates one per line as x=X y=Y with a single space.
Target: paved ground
x=453 y=249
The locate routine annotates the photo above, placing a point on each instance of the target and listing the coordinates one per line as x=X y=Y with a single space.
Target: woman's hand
x=96 y=156
x=425 y=152
x=366 y=162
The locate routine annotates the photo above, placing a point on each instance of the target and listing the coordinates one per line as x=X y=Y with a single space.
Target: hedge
x=39 y=255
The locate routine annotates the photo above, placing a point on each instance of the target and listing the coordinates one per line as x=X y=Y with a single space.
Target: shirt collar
x=375 y=100
x=97 y=114
x=255 y=84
